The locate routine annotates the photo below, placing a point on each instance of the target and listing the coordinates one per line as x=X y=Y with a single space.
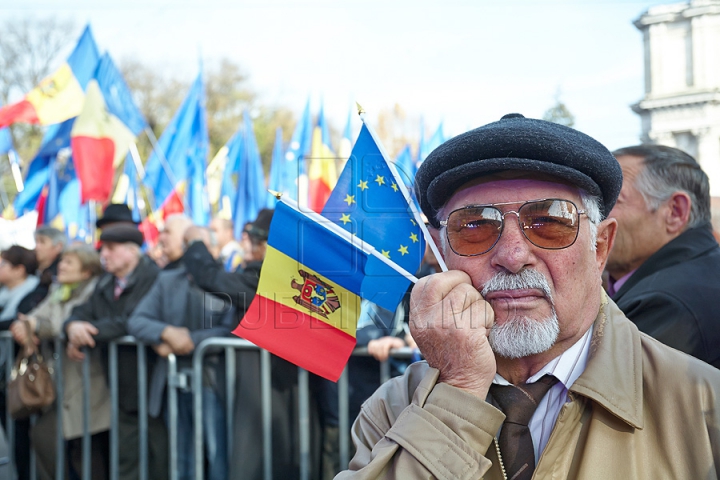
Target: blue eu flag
x=368 y=202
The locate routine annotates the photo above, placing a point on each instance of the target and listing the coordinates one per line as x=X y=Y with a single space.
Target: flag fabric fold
x=308 y=297
x=99 y=143
x=59 y=96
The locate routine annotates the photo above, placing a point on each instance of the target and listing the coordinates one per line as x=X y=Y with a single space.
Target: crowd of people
x=506 y=204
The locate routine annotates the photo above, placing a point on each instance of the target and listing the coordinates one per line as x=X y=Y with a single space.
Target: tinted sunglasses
x=550 y=223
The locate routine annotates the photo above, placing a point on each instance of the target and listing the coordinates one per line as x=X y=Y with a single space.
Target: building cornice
x=653 y=103
x=677 y=12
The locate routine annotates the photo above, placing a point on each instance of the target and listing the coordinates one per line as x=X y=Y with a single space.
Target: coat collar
x=613 y=376
x=692 y=243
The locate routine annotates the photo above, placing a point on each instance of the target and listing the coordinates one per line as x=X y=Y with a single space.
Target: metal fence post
x=266 y=401
x=86 y=445
x=114 y=411
x=343 y=420
x=230 y=373
x=304 y=422
x=142 y=409
x=172 y=386
x=59 y=404
x=197 y=377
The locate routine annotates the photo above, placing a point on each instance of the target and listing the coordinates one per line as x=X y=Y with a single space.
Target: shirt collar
x=614 y=286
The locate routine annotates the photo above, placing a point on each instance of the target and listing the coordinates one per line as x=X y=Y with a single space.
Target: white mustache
x=524 y=280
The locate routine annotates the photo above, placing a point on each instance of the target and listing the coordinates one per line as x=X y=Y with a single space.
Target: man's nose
x=513 y=250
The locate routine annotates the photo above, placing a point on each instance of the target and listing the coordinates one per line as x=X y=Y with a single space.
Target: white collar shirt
x=566 y=367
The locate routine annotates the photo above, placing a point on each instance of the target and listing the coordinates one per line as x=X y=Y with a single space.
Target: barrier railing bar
x=142 y=409
x=343 y=421
x=33 y=457
x=304 y=422
x=173 y=383
x=266 y=401
x=59 y=401
x=86 y=445
x=230 y=373
x=9 y=422
x=114 y=410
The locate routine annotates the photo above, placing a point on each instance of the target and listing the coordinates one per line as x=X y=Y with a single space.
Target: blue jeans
x=214 y=435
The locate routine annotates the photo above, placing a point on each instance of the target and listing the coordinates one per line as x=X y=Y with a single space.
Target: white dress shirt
x=566 y=367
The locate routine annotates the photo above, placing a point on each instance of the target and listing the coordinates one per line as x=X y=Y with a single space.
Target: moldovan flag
x=58 y=97
x=322 y=173
x=99 y=143
x=308 y=298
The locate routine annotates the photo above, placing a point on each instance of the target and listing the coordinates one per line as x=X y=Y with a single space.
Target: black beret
x=122 y=233
x=518 y=143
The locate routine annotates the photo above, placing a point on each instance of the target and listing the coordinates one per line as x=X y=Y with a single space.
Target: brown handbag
x=31 y=386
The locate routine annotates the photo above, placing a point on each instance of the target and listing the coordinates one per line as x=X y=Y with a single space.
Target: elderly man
x=102 y=318
x=665 y=265
x=531 y=370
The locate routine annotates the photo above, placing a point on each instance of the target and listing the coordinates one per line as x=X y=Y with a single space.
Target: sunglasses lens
x=551 y=224
x=473 y=231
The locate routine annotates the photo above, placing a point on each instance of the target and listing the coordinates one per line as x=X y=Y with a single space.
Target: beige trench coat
x=640 y=410
x=50 y=314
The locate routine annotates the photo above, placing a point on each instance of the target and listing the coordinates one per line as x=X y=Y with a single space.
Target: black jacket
x=239 y=286
x=33 y=299
x=672 y=296
x=110 y=317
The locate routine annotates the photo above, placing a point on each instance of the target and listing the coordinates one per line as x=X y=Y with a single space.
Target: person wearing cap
x=130 y=276
x=664 y=269
x=531 y=370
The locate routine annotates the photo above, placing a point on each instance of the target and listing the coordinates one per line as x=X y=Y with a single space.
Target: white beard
x=522 y=336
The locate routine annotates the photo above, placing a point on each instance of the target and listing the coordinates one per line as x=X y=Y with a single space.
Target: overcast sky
x=462 y=62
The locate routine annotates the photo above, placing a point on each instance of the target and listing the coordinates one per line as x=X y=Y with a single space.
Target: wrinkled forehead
x=510 y=186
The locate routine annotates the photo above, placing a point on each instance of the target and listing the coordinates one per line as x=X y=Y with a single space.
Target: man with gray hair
x=664 y=269
x=532 y=371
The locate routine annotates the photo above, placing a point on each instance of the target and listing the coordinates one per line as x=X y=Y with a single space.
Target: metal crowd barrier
x=178 y=380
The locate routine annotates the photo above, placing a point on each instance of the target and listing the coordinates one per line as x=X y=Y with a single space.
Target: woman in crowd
x=77 y=275
x=17 y=266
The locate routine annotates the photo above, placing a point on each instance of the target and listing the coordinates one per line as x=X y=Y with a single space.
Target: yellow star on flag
x=413 y=222
x=394 y=187
x=349 y=199
x=345 y=218
x=414 y=237
x=380 y=180
x=403 y=250
x=386 y=253
x=362 y=185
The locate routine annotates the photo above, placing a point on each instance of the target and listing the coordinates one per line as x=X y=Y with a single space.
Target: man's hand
x=380 y=348
x=179 y=340
x=20 y=332
x=80 y=334
x=74 y=353
x=162 y=349
x=450 y=321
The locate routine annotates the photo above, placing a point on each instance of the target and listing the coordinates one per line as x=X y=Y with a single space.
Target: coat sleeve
x=45 y=327
x=446 y=436
x=110 y=325
x=145 y=323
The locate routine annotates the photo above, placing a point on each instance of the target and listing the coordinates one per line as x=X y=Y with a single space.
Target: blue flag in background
x=184 y=145
x=118 y=99
x=294 y=169
x=5 y=140
x=278 y=158
x=368 y=203
x=251 y=194
x=405 y=167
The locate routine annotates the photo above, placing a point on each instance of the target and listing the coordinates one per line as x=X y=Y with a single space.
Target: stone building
x=681 y=106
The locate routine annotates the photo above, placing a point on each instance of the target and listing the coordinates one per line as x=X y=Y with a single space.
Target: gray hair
x=56 y=236
x=668 y=170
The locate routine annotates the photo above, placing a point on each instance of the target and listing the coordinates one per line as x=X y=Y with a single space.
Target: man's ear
x=606 y=231
x=678 y=212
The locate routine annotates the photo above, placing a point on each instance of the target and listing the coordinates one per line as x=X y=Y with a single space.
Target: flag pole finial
x=360 y=109
x=275 y=194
